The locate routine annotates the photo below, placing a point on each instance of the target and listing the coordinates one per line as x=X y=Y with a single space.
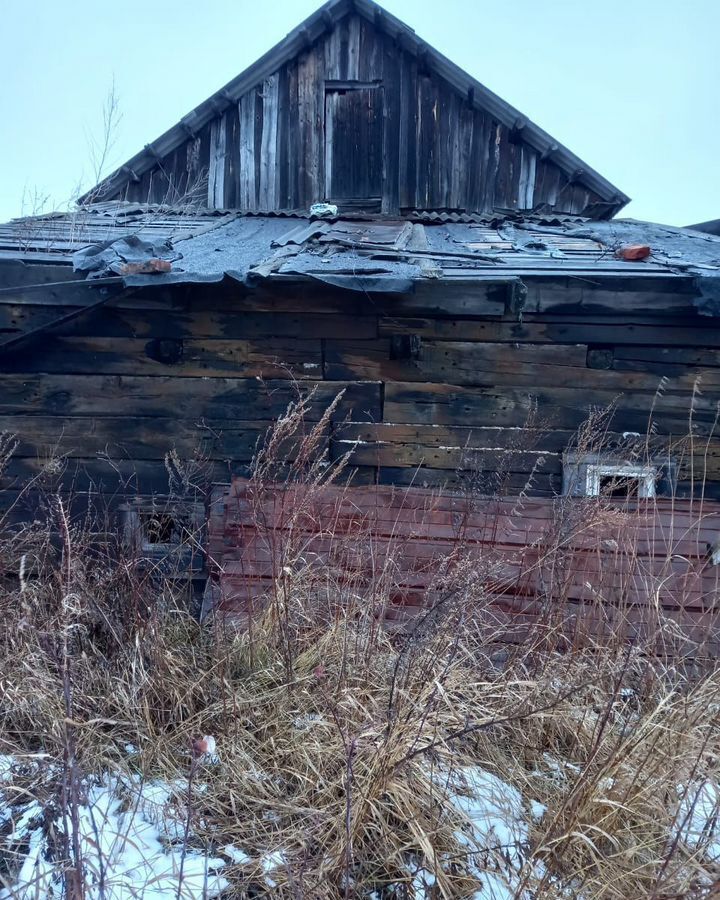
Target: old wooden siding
x=587 y=569
x=422 y=144
x=204 y=371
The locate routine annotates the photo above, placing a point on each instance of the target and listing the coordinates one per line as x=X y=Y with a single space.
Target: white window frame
x=646 y=475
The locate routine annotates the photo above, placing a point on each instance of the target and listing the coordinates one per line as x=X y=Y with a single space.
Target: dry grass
x=342 y=748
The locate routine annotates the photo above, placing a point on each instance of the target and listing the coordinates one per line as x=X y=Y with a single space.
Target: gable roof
x=301 y=38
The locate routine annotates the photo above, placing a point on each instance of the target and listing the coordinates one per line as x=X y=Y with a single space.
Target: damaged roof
x=367 y=254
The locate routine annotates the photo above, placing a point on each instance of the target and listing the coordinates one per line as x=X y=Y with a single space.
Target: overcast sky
x=630 y=86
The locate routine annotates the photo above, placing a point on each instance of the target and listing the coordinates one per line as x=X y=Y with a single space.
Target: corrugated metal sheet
x=58 y=235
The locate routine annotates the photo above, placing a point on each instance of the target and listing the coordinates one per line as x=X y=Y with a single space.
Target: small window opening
x=612 y=486
x=159 y=528
x=620 y=482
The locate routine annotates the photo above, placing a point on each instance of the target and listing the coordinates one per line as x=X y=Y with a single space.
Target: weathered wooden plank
x=566 y=407
x=216 y=171
x=452 y=458
x=696 y=355
x=268 y=187
x=492 y=365
x=190 y=321
x=261 y=357
x=456 y=436
x=246 y=167
x=569 y=330
x=513 y=365
x=113 y=477
x=127 y=437
x=615 y=295
x=391 y=69
x=310 y=114
x=446 y=361
x=167 y=397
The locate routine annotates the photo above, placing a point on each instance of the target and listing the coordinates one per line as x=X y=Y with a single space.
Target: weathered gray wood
x=440 y=148
x=216 y=169
x=168 y=397
x=246 y=167
x=262 y=357
x=268 y=195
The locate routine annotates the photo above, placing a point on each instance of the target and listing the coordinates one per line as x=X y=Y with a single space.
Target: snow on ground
x=495 y=832
x=129 y=844
x=133 y=841
x=699 y=818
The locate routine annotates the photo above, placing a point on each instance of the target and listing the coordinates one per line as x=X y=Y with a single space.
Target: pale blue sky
x=631 y=86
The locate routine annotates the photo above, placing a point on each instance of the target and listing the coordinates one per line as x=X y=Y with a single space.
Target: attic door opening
x=354 y=126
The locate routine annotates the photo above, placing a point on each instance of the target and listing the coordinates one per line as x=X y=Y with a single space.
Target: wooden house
x=471 y=295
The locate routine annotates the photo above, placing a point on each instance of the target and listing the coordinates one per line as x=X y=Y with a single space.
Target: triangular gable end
x=353 y=108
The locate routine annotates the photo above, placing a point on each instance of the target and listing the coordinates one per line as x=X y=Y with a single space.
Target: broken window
x=620 y=481
x=155 y=527
x=604 y=475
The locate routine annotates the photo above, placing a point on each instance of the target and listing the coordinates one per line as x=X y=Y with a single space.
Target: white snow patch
x=495 y=829
x=128 y=833
x=699 y=815
x=537 y=810
x=238 y=856
x=270 y=862
x=6 y=765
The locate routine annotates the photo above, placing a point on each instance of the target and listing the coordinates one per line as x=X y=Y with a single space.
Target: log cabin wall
x=357 y=119
x=441 y=385
x=614 y=570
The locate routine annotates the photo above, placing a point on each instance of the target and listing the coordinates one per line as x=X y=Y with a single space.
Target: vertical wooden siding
x=267 y=152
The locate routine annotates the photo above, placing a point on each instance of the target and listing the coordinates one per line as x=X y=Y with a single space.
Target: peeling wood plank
x=216 y=172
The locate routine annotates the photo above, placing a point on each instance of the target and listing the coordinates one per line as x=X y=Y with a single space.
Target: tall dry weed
x=353 y=756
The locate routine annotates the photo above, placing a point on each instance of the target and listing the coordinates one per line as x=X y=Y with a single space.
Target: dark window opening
x=618 y=487
x=159 y=528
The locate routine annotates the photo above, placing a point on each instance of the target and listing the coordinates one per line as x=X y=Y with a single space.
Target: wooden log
x=191 y=322
x=495 y=365
x=163 y=397
x=262 y=357
x=560 y=407
x=138 y=437
x=553 y=329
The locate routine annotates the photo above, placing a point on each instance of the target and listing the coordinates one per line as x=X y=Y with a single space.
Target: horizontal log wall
x=485 y=399
x=636 y=571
